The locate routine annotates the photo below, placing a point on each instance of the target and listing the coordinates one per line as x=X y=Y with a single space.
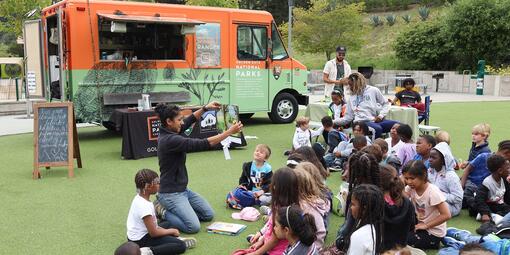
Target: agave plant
x=406 y=18
x=391 y=19
x=424 y=13
x=376 y=21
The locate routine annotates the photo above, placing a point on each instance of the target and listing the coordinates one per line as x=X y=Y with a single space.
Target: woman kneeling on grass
x=184 y=208
x=142 y=227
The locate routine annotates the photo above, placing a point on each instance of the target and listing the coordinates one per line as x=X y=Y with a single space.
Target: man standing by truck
x=336 y=72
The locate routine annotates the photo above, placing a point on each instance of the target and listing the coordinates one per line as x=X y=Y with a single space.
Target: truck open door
x=33 y=47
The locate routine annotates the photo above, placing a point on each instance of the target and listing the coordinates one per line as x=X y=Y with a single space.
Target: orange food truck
x=103 y=55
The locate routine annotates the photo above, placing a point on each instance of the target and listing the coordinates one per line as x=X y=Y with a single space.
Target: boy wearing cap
x=336 y=72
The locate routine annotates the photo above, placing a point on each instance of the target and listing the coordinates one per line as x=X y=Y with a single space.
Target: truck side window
x=278 y=52
x=141 y=41
x=251 y=43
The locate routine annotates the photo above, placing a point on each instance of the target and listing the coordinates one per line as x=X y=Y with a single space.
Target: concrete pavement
x=19 y=124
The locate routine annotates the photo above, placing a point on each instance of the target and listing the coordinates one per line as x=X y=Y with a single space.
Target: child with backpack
x=254 y=181
x=142 y=227
x=298 y=228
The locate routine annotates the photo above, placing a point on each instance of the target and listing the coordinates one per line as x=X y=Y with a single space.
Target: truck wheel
x=246 y=116
x=285 y=108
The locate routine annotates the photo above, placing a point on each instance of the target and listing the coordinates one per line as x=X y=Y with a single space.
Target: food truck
x=103 y=55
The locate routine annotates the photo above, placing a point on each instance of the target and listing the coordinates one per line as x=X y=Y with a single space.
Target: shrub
x=376 y=21
x=391 y=18
x=424 y=13
x=406 y=18
x=425 y=46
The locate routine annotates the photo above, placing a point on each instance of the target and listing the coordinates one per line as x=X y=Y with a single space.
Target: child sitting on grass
x=407 y=150
x=494 y=193
x=389 y=159
x=476 y=171
x=256 y=175
x=430 y=205
x=394 y=141
x=142 y=227
x=298 y=228
x=423 y=146
x=303 y=134
x=479 y=135
x=344 y=149
x=445 y=179
x=332 y=136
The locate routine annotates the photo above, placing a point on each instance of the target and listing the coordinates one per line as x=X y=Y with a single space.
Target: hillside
x=377 y=49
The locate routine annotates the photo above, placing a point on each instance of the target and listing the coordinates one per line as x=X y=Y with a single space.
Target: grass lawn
x=87 y=214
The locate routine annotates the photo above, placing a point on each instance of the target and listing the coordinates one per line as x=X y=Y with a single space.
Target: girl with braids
x=366 y=104
x=367 y=208
x=142 y=227
x=399 y=217
x=311 y=202
x=430 y=206
x=182 y=208
x=298 y=229
x=283 y=192
x=363 y=169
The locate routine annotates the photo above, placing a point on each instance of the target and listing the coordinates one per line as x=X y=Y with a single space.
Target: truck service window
x=140 y=41
x=251 y=43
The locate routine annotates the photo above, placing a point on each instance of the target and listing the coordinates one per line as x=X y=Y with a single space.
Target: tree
x=324 y=26
x=215 y=3
x=479 y=29
x=279 y=9
x=426 y=46
x=14 y=13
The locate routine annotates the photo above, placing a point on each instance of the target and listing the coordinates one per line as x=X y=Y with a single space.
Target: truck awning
x=149 y=19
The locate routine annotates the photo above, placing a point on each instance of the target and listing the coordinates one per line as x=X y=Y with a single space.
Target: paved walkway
x=19 y=124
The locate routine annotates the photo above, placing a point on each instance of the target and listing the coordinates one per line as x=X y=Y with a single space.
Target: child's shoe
x=496 y=218
x=146 y=251
x=452 y=242
x=334 y=168
x=190 y=242
x=160 y=210
x=457 y=233
x=287 y=153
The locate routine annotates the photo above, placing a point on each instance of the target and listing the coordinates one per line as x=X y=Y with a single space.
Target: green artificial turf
x=87 y=214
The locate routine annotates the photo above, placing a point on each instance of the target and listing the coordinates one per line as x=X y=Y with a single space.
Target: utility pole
x=289 y=43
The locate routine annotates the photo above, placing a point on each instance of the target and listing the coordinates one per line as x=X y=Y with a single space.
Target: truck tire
x=284 y=109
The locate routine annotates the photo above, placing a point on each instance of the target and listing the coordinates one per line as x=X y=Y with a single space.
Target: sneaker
x=146 y=251
x=160 y=209
x=496 y=218
x=265 y=210
x=455 y=232
x=334 y=168
x=190 y=242
x=452 y=242
x=286 y=153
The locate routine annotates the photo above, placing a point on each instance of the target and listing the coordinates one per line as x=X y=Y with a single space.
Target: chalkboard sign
x=55 y=137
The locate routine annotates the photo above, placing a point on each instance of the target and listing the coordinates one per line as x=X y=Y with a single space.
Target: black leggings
x=162 y=245
x=421 y=239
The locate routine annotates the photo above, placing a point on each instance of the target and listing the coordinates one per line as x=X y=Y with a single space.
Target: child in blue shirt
x=479 y=135
x=256 y=175
x=423 y=146
x=475 y=172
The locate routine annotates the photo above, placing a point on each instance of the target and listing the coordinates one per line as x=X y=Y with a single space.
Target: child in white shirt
x=142 y=227
x=303 y=134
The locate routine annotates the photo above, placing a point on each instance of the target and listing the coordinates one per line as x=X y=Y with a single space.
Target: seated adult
x=366 y=104
x=409 y=97
x=184 y=208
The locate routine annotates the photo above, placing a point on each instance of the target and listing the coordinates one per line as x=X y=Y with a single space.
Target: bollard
x=17 y=92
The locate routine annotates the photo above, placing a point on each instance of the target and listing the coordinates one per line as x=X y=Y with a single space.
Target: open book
x=225 y=228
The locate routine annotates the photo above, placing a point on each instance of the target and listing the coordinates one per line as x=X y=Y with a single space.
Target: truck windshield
x=278 y=52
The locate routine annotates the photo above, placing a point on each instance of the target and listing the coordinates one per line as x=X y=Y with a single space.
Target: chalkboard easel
x=55 y=137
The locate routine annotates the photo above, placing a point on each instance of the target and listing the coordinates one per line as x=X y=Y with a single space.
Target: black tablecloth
x=140 y=130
